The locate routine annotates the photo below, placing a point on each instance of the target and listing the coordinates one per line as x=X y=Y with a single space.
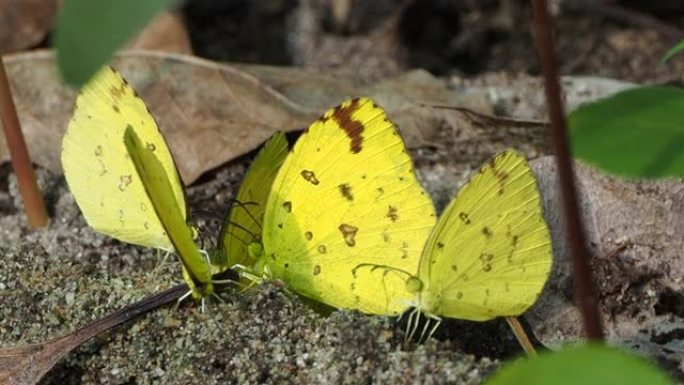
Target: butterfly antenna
x=244 y=207
x=246 y=230
x=374 y=267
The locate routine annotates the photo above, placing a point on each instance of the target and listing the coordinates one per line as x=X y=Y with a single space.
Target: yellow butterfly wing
x=242 y=225
x=98 y=171
x=490 y=253
x=346 y=200
x=156 y=184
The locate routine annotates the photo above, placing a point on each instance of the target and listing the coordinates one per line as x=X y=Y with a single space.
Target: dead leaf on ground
x=635 y=232
x=166 y=32
x=209 y=113
x=25 y=23
x=212 y=113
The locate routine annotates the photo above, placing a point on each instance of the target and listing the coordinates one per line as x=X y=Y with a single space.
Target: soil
x=57 y=279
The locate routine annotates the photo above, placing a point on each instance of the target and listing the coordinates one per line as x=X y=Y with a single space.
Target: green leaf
x=88 y=32
x=638 y=132
x=672 y=51
x=589 y=364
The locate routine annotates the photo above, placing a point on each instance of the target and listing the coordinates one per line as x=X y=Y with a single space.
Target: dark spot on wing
x=346 y=191
x=308 y=235
x=352 y=127
x=392 y=213
x=464 y=218
x=287 y=205
x=317 y=270
x=310 y=177
x=321 y=249
x=349 y=234
x=124 y=181
x=487 y=232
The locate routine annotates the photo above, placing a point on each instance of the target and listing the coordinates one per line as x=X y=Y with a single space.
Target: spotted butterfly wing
x=99 y=173
x=490 y=252
x=345 y=203
x=243 y=224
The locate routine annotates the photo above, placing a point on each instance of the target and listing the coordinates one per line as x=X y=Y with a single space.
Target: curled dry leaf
x=635 y=232
x=25 y=23
x=212 y=113
x=209 y=113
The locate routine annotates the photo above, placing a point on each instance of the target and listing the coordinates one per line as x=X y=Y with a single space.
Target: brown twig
x=25 y=365
x=21 y=162
x=582 y=277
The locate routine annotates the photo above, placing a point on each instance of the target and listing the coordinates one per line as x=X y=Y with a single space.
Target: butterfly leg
x=413 y=321
x=163 y=259
x=521 y=336
x=434 y=328
x=422 y=338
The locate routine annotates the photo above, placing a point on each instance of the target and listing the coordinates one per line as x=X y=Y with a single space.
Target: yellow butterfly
x=241 y=229
x=346 y=194
x=490 y=253
x=143 y=205
x=346 y=223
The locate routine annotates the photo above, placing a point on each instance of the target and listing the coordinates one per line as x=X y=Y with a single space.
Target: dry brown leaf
x=166 y=32
x=25 y=23
x=209 y=113
x=635 y=232
x=212 y=113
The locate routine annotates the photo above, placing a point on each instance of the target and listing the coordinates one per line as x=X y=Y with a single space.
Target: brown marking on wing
x=124 y=181
x=353 y=128
x=501 y=176
x=349 y=233
x=346 y=191
x=310 y=177
x=464 y=217
x=118 y=92
x=486 y=259
x=487 y=232
x=288 y=206
x=393 y=213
